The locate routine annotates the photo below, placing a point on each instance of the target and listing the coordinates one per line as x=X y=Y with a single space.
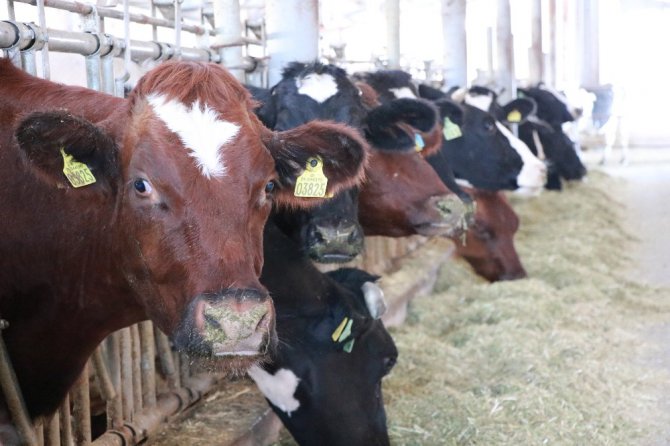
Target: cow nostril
x=211 y=320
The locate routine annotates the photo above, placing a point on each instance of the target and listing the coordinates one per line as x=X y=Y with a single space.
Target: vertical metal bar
x=91 y=23
x=154 y=28
x=66 y=438
x=81 y=409
x=393 y=32
x=102 y=375
x=454 y=56
x=229 y=30
x=126 y=51
x=52 y=430
x=166 y=359
x=114 y=407
x=137 y=367
x=11 y=12
x=107 y=64
x=177 y=28
x=28 y=62
x=148 y=364
x=46 y=72
x=127 y=375
x=13 y=396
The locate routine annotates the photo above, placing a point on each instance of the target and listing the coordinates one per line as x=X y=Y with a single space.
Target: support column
x=393 y=32
x=229 y=30
x=293 y=33
x=589 y=44
x=505 y=51
x=535 y=55
x=455 y=47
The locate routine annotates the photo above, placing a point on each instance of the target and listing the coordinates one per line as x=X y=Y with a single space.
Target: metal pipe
x=81 y=410
x=82 y=8
x=505 y=51
x=90 y=24
x=126 y=375
x=535 y=56
x=114 y=406
x=177 y=28
x=148 y=363
x=20 y=35
x=52 y=431
x=66 y=438
x=107 y=64
x=137 y=368
x=102 y=375
x=166 y=360
x=46 y=72
x=454 y=57
x=13 y=396
x=28 y=62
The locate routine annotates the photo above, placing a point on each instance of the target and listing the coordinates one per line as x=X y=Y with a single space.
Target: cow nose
x=334 y=243
x=514 y=275
x=239 y=322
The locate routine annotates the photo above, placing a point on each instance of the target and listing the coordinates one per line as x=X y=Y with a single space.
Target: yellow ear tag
x=338 y=331
x=312 y=182
x=514 y=116
x=78 y=174
x=451 y=130
x=418 y=142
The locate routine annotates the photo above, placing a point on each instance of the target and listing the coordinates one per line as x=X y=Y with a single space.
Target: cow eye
x=142 y=186
x=270 y=187
x=389 y=362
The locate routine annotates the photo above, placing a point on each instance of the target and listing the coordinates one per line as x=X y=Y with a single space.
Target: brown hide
x=489 y=242
x=182 y=250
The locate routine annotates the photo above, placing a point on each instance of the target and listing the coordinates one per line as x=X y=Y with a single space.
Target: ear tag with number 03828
x=312 y=182
x=78 y=174
x=418 y=142
x=514 y=116
x=451 y=130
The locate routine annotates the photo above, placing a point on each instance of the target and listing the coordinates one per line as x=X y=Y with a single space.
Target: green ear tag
x=312 y=182
x=451 y=130
x=349 y=346
x=514 y=116
x=78 y=174
x=346 y=332
x=418 y=142
x=338 y=331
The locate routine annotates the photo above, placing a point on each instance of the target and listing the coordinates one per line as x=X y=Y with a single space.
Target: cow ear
x=451 y=110
x=56 y=141
x=387 y=125
x=374 y=299
x=518 y=110
x=341 y=150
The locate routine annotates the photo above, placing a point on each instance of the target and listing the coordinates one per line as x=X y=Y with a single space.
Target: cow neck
x=295 y=284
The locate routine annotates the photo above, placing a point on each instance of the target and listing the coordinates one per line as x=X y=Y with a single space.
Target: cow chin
x=334 y=254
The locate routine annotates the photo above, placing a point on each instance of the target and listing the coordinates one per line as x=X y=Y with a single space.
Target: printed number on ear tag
x=451 y=130
x=78 y=174
x=312 y=182
x=514 y=116
x=418 y=142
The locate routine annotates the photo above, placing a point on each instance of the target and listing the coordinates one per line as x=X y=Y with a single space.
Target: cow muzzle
x=336 y=243
x=448 y=216
x=234 y=323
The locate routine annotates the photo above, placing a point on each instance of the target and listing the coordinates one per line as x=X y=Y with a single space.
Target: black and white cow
x=324 y=380
x=406 y=200
x=545 y=136
x=478 y=148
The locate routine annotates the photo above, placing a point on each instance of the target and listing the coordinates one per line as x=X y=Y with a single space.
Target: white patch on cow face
x=480 y=101
x=533 y=173
x=278 y=388
x=319 y=87
x=199 y=129
x=402 y=92
x=374 y=299
x=464 y=183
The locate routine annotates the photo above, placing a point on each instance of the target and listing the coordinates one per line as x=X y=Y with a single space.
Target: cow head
x=326 y=377
x=331 y=232
x=489 y=243
x=191 y=175
x=552 y=106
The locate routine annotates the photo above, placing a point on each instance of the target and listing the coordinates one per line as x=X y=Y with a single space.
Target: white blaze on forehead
x=199 y=129
x=480 y=101
x=317 y=86
x=533 y=172
x=402 y=92
x=278 y=388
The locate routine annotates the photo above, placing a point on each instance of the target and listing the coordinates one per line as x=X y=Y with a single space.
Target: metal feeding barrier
x=134 y=382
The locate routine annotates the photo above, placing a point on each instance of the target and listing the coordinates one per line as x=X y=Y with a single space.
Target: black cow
x=331 y=232
x=324 y=380
x=475 y=146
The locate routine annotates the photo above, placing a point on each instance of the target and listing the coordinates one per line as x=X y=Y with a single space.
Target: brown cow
x=489 y=242
x=171 y=229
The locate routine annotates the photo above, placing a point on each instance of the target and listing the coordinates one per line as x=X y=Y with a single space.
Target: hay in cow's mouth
x=552 y=359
